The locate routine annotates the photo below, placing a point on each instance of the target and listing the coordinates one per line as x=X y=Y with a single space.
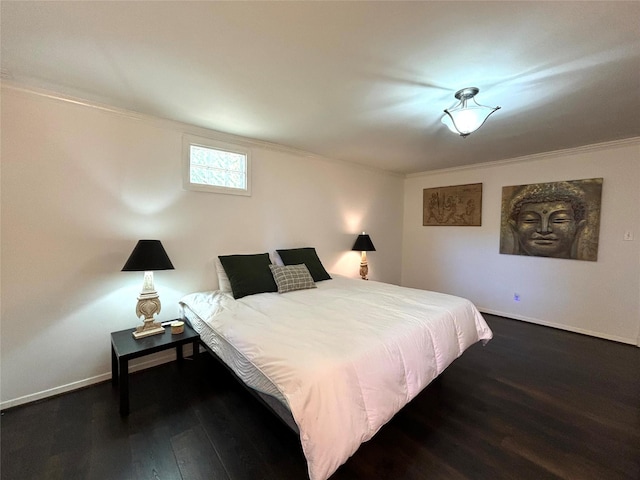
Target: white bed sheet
x=346 y=356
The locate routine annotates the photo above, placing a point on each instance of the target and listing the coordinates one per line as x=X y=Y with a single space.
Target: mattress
x=239 y=364
x=246 y=372
x=343 y=357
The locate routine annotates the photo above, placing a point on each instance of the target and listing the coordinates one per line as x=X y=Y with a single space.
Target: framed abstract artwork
x=458 y=205
x=557 y=220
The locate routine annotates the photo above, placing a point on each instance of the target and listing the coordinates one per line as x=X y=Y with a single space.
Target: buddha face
x=547 y=229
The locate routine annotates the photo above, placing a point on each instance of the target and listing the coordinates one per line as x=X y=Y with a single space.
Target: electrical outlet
x=516 y=297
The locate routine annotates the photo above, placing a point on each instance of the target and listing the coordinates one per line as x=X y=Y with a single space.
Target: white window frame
x=188 y=141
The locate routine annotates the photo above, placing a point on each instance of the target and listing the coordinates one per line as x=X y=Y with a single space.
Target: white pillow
x=224 y=285
x=276 y=258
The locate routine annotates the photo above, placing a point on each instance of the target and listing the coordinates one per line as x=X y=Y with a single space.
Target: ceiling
x=364 y=82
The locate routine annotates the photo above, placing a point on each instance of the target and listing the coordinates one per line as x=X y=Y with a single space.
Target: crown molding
x=536 y=156
x=252 y=142
x=187 y=128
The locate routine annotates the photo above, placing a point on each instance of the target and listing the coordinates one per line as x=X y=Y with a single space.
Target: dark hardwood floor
x=535 y=403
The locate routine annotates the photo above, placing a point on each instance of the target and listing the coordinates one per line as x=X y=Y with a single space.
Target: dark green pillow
x=249 y=274
x=308 y=256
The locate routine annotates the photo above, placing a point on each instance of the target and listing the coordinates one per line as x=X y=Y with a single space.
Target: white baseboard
x=154 y=360
x=559 y=326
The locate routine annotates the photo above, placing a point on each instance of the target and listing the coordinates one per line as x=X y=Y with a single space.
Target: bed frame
x=273 y=404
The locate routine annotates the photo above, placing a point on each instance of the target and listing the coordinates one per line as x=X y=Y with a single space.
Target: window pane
x=209 y=166
x=215 y=166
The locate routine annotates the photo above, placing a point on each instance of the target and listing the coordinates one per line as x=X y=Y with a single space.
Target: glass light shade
x=467 y=116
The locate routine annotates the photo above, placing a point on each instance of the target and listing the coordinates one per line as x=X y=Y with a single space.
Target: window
x=212 y=166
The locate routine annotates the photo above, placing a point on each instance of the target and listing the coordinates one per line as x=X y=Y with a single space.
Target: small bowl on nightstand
x=177 y=327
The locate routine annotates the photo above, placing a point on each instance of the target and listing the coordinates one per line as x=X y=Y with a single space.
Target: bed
x=338 y=358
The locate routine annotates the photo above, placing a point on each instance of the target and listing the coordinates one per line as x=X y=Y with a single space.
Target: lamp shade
x=468 y=115
x=364 y=244
x=148 y=255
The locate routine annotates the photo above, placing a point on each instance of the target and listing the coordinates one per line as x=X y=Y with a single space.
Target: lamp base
x=148 y=305
x=364 y=270
x=148 y=329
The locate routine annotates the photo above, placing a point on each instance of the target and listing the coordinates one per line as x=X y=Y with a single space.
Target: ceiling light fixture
x=467 y=117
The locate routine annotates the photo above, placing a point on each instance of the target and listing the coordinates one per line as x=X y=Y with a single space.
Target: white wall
x=599 y=298
x=80 y=185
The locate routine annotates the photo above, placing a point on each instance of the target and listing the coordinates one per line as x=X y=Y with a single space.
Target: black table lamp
x=364 y=245
x=147 y=256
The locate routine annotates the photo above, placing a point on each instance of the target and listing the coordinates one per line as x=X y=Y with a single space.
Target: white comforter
x=347 y=355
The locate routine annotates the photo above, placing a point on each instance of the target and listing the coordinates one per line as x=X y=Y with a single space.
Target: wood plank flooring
x=534 y=403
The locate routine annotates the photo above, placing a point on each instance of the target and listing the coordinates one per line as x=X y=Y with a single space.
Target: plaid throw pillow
x=292 y=277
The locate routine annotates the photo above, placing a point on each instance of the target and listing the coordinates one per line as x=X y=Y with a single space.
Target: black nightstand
x=124 y=348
